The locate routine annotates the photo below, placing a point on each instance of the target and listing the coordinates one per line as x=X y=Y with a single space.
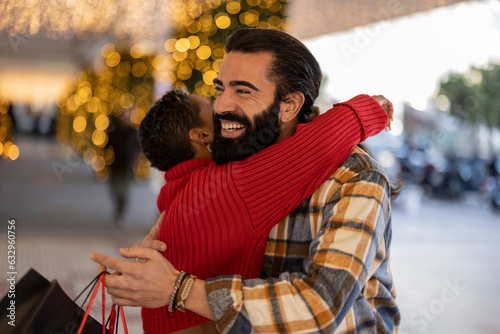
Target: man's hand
x=151 y=240
x=145 y=284
x=387 y=105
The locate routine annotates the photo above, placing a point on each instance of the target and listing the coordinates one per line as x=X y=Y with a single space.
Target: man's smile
x=231 y=129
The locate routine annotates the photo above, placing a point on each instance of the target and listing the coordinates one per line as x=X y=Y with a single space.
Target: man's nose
x=224 y=103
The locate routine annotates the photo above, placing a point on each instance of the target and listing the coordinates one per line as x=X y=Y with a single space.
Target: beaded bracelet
x=184 y=292
x=178 y=283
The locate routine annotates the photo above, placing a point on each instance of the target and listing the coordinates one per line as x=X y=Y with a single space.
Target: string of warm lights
x=124 y=85
x=194 y=54
x=121 y=19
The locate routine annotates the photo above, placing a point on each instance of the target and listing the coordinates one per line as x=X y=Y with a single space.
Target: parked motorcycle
x=493 y=183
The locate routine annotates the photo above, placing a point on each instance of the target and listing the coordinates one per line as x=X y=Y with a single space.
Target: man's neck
x=287 y=129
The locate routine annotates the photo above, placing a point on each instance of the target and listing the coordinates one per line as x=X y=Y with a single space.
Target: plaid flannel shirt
x=326 y=266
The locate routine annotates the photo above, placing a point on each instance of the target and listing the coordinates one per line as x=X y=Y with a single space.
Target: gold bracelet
x=184 y=292
x=173 y=296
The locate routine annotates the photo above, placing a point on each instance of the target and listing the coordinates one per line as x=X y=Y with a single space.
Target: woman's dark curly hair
x=164 y=132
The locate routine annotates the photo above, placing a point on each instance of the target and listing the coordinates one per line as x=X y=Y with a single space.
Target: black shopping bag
x=42 y=307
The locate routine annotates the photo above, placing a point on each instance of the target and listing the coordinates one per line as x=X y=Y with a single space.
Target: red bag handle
x=124 y=323
x=112 y=319
x=102 y=279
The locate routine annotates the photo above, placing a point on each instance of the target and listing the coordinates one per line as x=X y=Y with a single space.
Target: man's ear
x=290 y=106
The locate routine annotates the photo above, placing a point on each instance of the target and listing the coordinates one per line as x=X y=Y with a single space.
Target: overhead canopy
x=318 y=17
x=26 y=56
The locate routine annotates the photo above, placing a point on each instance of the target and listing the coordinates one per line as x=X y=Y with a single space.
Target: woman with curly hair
x=176 y=136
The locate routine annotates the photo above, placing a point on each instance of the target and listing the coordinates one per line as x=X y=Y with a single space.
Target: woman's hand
x=151 y=240
x=387 y=105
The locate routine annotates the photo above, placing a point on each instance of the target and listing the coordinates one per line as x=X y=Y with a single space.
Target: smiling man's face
x=246 y=118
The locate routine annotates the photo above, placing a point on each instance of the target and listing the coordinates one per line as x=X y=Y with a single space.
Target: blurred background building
x=70 y=70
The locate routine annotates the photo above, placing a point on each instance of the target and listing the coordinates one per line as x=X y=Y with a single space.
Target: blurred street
x=63 y=214
x=445 y=254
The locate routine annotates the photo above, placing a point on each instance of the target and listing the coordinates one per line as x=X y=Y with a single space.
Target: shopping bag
x=42 y=307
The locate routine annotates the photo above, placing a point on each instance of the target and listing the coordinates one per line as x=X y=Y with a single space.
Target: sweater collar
x=185 y=167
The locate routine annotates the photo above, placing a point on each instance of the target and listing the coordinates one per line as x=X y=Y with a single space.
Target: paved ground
x=446 y=264
x=446 y=256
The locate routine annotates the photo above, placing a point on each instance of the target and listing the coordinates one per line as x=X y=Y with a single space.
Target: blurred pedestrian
x=124 y=140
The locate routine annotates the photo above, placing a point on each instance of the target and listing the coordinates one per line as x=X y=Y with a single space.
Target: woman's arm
x=277 y=179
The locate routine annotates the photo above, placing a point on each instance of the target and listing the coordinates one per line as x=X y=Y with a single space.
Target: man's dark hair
x=293 y=67
x=164 y=132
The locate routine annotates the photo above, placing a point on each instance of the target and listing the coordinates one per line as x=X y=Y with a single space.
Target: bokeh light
x=204 y=52
x=113 y=59
x=137 y=50
x=13 y=152
x=222 y=20
x=101 y=122
x=182 y=45
x=79 y=124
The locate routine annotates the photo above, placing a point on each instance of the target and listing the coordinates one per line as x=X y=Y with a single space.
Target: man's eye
x=242 y=91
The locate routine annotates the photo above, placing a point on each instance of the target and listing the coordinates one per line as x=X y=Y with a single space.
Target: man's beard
x=264 y=133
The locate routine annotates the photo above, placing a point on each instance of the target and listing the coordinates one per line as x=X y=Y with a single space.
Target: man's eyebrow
x=237 y=83
x=243 y=83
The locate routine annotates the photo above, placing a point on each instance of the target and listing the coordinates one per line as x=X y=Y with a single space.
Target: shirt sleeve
x=342 y=257
x=274 y=181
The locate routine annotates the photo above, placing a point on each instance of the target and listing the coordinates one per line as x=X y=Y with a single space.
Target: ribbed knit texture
x=218 y=217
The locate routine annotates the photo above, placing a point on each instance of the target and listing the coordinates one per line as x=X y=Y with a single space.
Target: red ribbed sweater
x=218 y=217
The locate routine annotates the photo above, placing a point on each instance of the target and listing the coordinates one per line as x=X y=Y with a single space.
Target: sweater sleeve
x=277 y=179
